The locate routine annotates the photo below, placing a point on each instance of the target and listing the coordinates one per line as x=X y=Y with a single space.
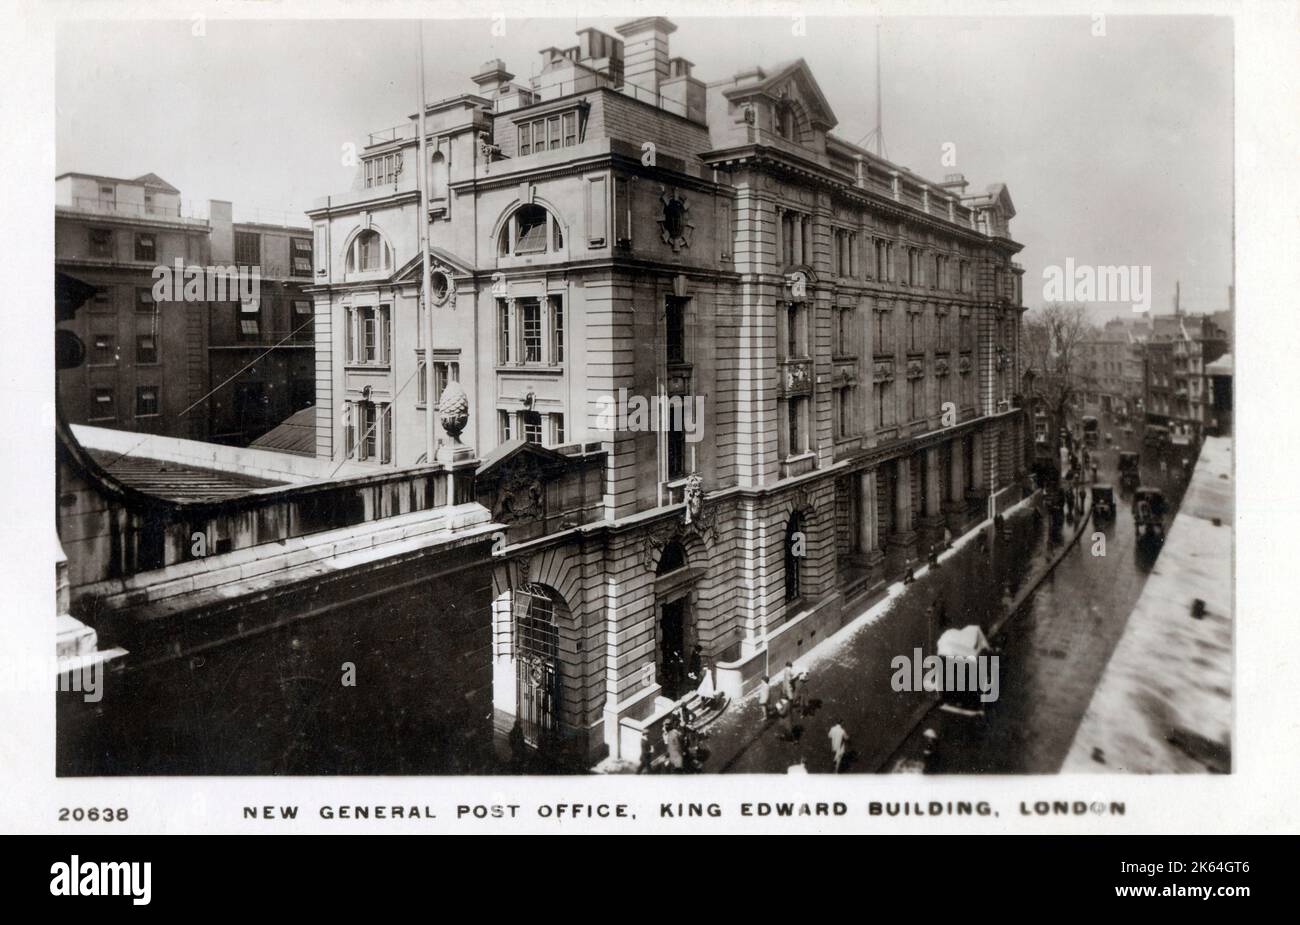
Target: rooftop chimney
x=494 y=78
x=645 y=50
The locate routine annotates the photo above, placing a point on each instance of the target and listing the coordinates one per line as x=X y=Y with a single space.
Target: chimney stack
x=494 y=79
x=645 y=50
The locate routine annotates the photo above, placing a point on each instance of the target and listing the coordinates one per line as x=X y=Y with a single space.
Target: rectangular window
x=101 y=404
x=792 y=407
x=597 y=219
x=914 y=343
x=303 y=319
x=145 y=247
x=373 y=335
x=102 y=300
x=144 y=302
x=503 y=332
x=557 y=429
x=249 y=317
x=301 y=257
x=421 y=381
x=503 y=425
x=884 y=343
x=102 y=352
x=525 y=139
x=622 y=213
x=532 y=427
x=146 y=401
x=941 y=331
x=553 y=132
x=916 y=399
x=676 y=441
x=557 y=328
x=101 y=242
x=248 y=249
x=369 y=424
x=570 y=129
x=675 y=329
x=532 y=331
x=146 y=348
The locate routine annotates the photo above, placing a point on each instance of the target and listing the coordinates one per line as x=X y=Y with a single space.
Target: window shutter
x=350 y=431
x=385 y=335
x=349 y=326
x=383 y=420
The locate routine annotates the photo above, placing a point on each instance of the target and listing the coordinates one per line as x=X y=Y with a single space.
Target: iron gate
x=536 y=664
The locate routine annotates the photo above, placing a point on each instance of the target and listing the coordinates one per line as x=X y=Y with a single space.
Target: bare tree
x=1052 y=342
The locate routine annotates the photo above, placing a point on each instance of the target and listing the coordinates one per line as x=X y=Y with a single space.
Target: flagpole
x=426 y=308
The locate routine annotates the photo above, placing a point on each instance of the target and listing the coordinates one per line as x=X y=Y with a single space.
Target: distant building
x=1112 y=369
x=1176 y=393
x=210 y=369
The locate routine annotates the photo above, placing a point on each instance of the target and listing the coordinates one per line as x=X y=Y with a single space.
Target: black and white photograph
x=640 y=394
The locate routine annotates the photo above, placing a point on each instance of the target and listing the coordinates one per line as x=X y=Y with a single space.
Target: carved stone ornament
x=453 y=410
x=915 y=369
x=941 y=367
x=883 y=372
x=442 y=289
x=520 y=495
x=675 y=225
x=964 y=364
x=694 y=498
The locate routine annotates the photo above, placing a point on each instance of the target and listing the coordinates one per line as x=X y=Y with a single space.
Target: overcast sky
x=1116 y=149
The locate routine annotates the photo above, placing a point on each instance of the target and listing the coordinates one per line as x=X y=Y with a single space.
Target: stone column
x=932 y=520
x=904 y=537
x=869 y=510
x=956 y=504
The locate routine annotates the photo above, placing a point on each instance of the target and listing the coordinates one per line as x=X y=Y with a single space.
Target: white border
x=1257 y=797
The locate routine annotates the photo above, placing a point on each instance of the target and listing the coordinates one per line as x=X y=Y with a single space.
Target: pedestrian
x=675 y=747
x=839 y=744
x=789 y=684
x=647 y=755
x=765 y=697
x=518 y=746
x=695 y=671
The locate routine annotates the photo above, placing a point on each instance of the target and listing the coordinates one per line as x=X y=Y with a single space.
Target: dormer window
x=369 y=253
x=557 y=130
x=531 y=230
x=383 y=170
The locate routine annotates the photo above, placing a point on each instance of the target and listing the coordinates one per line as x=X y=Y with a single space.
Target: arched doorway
x=537 y=664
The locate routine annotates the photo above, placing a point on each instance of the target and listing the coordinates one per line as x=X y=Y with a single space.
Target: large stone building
x=223 y=369
x=832 y=341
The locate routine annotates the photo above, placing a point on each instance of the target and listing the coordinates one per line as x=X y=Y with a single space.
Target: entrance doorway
x=536 y=665
x=672 y=647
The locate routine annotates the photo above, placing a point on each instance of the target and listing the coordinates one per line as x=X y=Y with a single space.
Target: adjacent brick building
x=224 y=371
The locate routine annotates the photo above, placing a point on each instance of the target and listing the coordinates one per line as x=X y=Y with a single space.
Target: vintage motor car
x=1149 y=512
x=1103 y=502
x=1129 y=469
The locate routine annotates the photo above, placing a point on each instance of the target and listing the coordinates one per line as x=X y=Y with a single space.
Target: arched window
x=437 y=176
x=532 y=229
x=794 y=553
x=369 y=253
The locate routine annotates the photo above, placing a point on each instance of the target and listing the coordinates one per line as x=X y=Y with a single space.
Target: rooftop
x=176 y=481
x=295 y=434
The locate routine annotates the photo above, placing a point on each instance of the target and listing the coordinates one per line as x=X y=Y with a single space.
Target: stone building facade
x=758 y=368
